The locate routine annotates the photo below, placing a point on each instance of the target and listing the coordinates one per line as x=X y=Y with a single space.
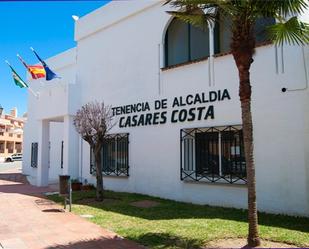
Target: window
x=223 y=34
x=115 y=156
x=10 y=147
x=2 y=147
x=185 y=43
x=18 y=147
x=34 y=155
x=260 y=29
x=213 y=154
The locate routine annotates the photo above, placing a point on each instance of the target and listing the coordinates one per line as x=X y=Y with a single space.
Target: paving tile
x=25 y=225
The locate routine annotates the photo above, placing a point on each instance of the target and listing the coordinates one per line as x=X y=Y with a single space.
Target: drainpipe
x=211 y=26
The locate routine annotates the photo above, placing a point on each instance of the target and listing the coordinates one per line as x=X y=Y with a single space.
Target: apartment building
x=11 y=133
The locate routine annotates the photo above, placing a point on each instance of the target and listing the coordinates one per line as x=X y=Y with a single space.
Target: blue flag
x=49 y=73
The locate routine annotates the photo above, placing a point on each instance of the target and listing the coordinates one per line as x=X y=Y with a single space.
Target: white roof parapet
x=63 y=59
x=110 y=14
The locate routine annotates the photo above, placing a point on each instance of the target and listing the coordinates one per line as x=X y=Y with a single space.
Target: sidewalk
x=28 y=221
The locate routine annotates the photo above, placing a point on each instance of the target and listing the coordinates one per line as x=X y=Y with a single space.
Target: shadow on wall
x=100 y=243
x=14 y=177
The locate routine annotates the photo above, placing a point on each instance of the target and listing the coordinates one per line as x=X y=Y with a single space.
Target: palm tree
x=243 y=15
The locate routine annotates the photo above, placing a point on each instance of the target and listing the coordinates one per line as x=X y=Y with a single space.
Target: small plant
x=76 y=185
x=75 y=181
x=88 y=186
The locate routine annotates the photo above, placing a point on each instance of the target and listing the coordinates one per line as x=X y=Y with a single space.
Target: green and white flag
x=20 y=82
x=17 y=79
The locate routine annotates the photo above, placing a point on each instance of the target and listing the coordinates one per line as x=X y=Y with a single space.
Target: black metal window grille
x=61 y=158
x=34 y=155
x=115 y=156
x=214 y=154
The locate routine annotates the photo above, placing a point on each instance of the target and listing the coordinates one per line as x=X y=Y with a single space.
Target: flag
x=17 y=79
x=36 y=71
x=49 y=73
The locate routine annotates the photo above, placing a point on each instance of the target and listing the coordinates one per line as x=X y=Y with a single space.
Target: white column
x=211 y=26
x=70 y=148
x=43 y=154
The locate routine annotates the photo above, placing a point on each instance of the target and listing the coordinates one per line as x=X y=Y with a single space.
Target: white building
x=178 y=134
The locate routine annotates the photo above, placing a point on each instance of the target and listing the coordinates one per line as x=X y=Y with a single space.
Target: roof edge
x=109 y=15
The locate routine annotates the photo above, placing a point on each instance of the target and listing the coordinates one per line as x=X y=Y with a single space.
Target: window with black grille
x=34 y=155
x=114 y=155
x=214 y=154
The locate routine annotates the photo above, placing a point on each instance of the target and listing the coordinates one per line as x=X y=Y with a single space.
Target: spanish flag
x=50 y=75
x=36 y=71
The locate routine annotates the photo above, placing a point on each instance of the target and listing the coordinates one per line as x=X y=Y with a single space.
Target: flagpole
x=30 y=89
x=36 y=94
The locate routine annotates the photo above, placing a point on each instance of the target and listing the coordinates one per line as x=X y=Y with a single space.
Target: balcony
x=11 y=136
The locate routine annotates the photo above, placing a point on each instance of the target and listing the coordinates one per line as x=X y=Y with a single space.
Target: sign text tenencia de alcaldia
x=191 y=107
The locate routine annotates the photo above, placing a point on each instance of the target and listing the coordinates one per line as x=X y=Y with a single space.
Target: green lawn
x=181 y=225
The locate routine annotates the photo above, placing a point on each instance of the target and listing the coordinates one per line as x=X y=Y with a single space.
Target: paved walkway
x=28 y=221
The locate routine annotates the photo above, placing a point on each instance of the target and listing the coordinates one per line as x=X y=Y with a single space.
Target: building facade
x=11 y=133
x=174 y=93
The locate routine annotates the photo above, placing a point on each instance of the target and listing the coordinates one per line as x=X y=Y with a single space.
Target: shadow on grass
x=168 y=210
x=165 y=240
x=99 y=243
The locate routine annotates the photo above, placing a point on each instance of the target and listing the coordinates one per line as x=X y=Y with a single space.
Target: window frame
x=191 y=174
x=189 y=42
x=34 y=154
x=117 y=172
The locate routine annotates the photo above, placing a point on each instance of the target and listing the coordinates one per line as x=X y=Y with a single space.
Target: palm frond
x=197 y=20
x=200 y=12
x=226 y=6
x=283 y=8
x=292 y=31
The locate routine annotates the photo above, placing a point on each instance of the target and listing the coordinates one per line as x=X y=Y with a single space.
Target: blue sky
x=46 y=26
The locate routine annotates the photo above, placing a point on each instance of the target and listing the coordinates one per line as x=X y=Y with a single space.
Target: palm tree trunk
x=245 y=98
x=243 y=45
x=99 y=176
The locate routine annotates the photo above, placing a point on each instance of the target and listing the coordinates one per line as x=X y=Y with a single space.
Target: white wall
x=55 y=151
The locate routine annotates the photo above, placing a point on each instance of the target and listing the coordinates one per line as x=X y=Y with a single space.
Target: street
x=16 y=166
